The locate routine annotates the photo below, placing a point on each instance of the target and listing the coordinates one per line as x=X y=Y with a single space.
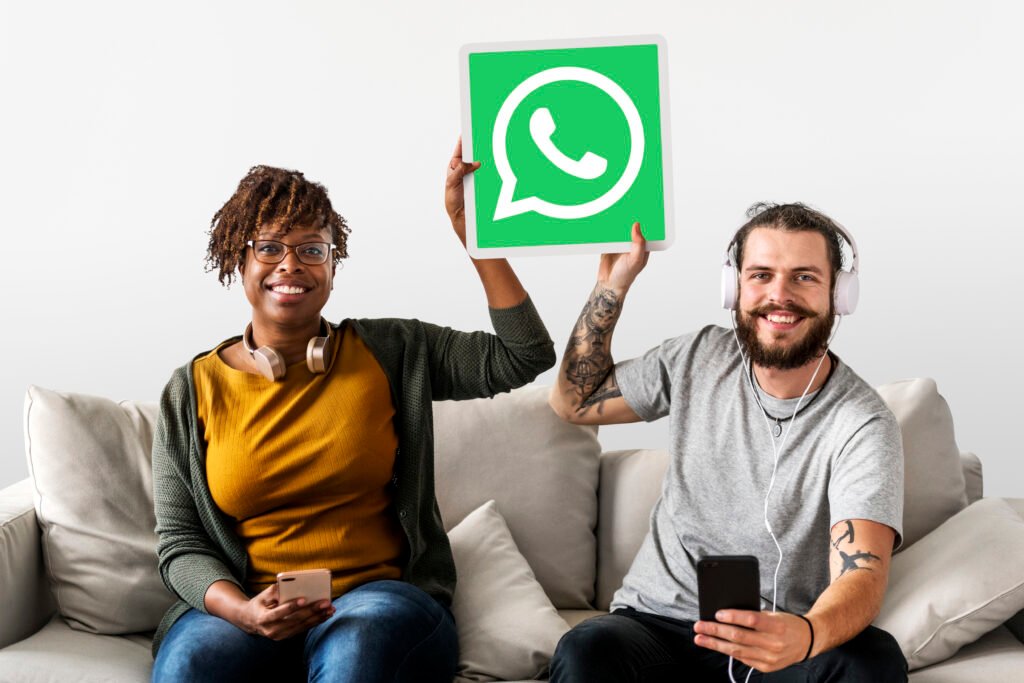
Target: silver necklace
x=777 y=427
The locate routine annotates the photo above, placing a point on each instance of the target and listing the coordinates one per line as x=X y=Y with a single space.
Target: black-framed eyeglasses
x=310 y=253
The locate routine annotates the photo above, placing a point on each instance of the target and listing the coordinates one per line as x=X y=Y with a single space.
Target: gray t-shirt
x=843 y=459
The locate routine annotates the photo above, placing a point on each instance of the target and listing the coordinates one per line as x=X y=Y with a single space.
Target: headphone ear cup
x=729 y=293
x=269 y=362
x=847 y=292
x=316 y=355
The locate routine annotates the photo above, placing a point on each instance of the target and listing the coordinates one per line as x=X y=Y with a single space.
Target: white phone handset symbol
x=541 y=127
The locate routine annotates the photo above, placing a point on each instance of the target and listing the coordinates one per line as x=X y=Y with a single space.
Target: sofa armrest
x=24 y=594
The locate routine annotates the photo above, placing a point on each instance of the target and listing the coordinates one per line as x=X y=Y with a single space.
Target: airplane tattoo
x=850 y=560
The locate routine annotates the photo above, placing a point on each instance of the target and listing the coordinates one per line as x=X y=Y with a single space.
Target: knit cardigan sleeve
x=189 y=559
x=466 y=365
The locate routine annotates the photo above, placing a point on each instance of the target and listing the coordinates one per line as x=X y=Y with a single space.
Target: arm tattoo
x=608 y=389
x=588 y=362
x=850 y=560
x=848 y=532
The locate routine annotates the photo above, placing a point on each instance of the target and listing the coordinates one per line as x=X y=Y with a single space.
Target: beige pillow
x=933 y=481
x=89 y=458
x=957 y=583
x=541 y=471
x=508 y=629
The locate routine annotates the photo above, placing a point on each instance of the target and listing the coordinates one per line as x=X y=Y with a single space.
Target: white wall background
x=124 y=126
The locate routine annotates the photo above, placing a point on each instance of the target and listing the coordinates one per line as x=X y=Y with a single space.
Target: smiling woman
x=304 y=444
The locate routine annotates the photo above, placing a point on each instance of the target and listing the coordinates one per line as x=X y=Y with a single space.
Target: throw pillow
x=541 y=471
x=507 y=627
x=933 y=481
x=957 y=583
x=89 y=458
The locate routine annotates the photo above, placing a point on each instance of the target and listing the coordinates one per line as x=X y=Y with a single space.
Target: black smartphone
x=727 y=582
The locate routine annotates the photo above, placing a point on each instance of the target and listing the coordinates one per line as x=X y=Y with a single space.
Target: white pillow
x=508 y=629
x=541 y=471
x=933 y=481
x=957 y=583
x=90 y=462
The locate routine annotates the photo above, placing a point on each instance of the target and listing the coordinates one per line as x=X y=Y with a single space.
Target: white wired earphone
x=845 y=297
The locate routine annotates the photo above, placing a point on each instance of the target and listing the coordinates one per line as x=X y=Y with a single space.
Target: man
x=784 y=418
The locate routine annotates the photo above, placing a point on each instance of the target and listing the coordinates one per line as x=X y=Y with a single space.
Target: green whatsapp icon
x=573 y=141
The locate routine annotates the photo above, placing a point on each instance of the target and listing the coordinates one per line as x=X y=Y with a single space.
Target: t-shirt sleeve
x=867 y=477
x=646 y=381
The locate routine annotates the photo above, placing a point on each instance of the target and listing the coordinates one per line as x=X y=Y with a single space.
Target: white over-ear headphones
x=847 y=287
x=270 y=362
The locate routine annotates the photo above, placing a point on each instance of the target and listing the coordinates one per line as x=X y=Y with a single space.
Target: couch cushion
x=934 y=488
x=575 y=617
x=996 y=656
x=934 y=483
x=89 y=458
x=541 y=471
x=958 y=582
x=59 y=654
x=630 y=484
x=508 y=628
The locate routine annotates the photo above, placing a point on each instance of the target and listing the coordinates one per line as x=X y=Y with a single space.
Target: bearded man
x=778 y=450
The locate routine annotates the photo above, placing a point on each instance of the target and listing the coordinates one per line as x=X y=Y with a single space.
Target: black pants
x=627 y=646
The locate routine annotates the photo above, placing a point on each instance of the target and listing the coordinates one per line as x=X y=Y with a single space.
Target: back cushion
x=630 y=484
x=541 y=471
x=933 y=483
x=934 y=488
x=89 y=458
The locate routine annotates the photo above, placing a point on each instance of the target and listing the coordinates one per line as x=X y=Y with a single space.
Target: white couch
x=78 y=534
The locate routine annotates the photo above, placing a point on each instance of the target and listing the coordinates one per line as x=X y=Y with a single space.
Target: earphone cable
x=777 y=449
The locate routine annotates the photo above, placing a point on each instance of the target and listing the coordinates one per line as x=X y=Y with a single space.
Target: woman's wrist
x=226 y=600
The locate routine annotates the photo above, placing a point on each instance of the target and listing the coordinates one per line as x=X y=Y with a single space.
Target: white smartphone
x=312 y=584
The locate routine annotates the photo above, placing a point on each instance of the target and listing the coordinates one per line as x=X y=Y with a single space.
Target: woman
x=317 y=452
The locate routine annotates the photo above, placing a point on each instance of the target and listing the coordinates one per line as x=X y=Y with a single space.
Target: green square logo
x=572 y=137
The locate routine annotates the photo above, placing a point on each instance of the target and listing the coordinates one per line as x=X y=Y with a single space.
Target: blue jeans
x=381 y=631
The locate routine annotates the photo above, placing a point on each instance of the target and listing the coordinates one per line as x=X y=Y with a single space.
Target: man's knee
x=591 y=651
x=873 y=655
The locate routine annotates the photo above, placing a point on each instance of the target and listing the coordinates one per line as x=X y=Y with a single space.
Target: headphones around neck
x=270 y=362
x=847 y=286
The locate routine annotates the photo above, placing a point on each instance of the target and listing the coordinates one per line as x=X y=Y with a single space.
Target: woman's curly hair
x=269 y=196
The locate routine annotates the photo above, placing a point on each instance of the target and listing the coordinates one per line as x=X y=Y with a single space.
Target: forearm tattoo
x=589 y=368
x=850 y=557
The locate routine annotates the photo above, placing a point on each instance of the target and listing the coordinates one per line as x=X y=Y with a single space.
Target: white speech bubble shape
x=506 y=207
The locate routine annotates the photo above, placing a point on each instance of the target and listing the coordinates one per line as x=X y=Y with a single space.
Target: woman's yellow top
x=304 y=465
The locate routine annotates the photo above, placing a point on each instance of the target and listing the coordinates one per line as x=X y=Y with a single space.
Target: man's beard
x=780 y=357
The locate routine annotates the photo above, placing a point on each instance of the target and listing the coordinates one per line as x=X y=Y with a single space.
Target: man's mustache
x=788 y=308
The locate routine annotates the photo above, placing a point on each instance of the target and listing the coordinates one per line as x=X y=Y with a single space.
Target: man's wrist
x=618 y=290
x=810 y=645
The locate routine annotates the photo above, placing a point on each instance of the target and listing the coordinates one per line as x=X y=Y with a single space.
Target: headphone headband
x=854 y=267
x=846 y=290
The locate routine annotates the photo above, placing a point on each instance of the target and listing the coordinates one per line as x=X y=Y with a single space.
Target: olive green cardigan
x=423 y=363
